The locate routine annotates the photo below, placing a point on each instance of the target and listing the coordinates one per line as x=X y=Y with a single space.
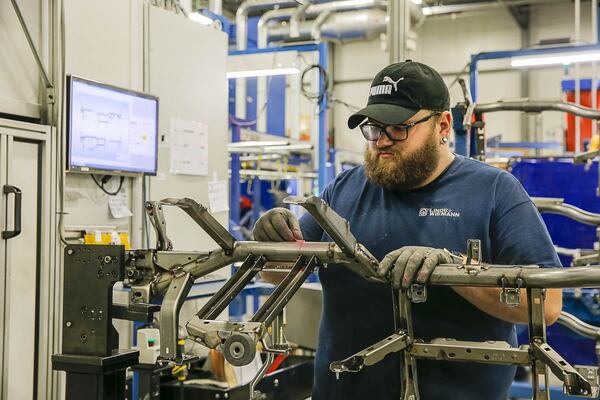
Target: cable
x=105 y=180
x=324 y=96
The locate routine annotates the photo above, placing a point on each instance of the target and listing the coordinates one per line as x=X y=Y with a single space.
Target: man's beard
x=402 y=171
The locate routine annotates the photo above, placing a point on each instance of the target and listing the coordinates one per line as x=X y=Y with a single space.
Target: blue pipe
x=303 y=47
x=323 y=134
x=234 y=182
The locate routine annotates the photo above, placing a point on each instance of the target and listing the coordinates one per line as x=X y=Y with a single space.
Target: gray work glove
x=277 y=225
x=411 y=264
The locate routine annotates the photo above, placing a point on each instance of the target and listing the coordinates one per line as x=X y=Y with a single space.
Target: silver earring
x=444 y=140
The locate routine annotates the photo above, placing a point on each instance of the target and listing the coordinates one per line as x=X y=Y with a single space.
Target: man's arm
x=519 y=236
x=488 y=301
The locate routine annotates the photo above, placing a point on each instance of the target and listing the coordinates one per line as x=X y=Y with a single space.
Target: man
x=410 y=199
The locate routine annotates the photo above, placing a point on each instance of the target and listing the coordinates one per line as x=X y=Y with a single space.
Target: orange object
x=584 y=123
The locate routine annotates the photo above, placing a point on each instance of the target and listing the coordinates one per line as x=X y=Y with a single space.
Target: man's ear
x=445 y=121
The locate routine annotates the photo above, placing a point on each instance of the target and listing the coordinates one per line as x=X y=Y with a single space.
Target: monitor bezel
x=105 y=171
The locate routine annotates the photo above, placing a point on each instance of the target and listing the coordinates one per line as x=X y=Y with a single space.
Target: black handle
x=17 y=220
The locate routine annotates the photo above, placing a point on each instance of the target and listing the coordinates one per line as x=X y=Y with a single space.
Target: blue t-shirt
x=470 y=200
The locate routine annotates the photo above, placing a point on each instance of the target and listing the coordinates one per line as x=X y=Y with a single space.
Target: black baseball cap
x=400 y=90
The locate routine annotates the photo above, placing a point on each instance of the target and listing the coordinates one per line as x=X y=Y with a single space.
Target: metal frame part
x=155 y=271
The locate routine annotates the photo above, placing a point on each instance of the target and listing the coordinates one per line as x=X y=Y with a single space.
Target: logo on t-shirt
x=438 y=212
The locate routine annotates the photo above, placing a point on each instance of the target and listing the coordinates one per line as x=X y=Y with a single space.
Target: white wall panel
x=187 y=72
x=19 y=76
x=104 y=42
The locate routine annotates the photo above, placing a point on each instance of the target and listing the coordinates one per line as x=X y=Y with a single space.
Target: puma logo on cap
x=390 y=80
x=385 y=89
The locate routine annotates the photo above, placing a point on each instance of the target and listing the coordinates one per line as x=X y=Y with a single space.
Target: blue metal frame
x=236 y=124
x=495 y=55
x=303 y=47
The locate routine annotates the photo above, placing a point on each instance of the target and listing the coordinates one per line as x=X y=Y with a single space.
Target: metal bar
x=531 y=277
x=38 y=60
x=373 y=354
x=473 y=75
x=323 y=132
x=304 y=47
x=200 y=214
x=578 y=326
x=480 y=352
x=220 y=300
x=157 y=218
x=574 y=383
x=169 y=314
x=331 y=222
x=285 y=290
x=537 y=336
x=494 y=55
x=409 y=379
x=556 y=206
x=234 y=180
x=536 y=106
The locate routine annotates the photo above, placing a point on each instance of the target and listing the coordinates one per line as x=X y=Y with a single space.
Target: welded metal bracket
x=365 y=264
x=169 y=314
x=157 y=218
x=204 y=218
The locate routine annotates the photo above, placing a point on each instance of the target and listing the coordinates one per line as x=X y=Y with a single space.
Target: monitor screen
x=111 y=130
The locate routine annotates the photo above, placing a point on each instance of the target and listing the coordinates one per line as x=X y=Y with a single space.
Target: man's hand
x=411 y=264
x=277 y=225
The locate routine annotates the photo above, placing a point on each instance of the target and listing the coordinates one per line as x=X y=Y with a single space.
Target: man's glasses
x=396 y=133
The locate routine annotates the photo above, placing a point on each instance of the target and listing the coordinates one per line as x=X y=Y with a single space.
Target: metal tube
x=538 y=106
x=570 y=211
x=216 y=6
x=290 y=251
x=312 y=11
x=525 y=276
x=38 y=60
x=315 y=30
x=241 y=17
x=578 y=326
x=296 y=17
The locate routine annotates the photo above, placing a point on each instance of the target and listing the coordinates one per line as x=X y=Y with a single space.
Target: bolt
x=276 y=383
x=70 y=251
x=83 y=337
x=69 y=324
x=107 y=259
x=100 y=273
x=115 y=259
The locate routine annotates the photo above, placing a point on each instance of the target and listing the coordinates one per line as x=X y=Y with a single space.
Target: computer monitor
x=111 y=131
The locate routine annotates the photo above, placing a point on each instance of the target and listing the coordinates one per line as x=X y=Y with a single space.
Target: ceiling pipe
x=349 y=25
x=480 y=6
x=313 y=10
x=296 y=17
x=241 y=16
x=315 y=30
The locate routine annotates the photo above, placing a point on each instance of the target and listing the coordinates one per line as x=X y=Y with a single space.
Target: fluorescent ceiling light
x=258 y=143
x=202 y=19
x=263 y=72
x=564 y=59
x=418 y=2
